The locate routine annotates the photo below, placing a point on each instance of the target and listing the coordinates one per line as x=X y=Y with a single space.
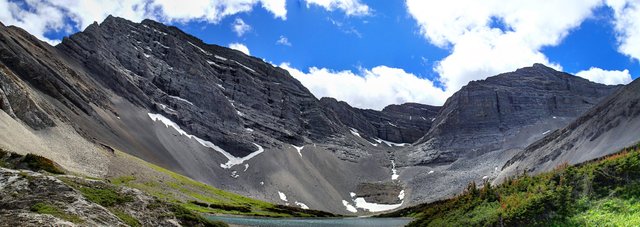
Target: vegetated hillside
x=609 y=126
x=136 y=193
x=605 y=191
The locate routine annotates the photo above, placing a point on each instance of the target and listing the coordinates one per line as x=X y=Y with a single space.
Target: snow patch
x=261 y=182
x=352 y=194
x=146 y=55
x=248 y=130
x=389 y=143
x=199 y=48
x=430 y=172
x=394 y=172
x=246 y=167
x=160 y=44
x=181 y=99
x=299 y=149
x=349 y=207
x=220 y=86
x=302 y=205
x=392 y=124
x=554 y=117
x=232 y=160
x=216 y=65
x=234 y=174
x=401 y=195
x=283 y=197
x=545 y=132
x=244 y=66
x=240 y=113
x=355 y=132
x=485 y=177
x=220 y=58
x=375 y=207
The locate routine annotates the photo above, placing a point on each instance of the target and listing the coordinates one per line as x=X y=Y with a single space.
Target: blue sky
x=386 y=52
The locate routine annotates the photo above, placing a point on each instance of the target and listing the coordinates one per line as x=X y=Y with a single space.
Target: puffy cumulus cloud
x=494 y=36
x=283 y=40
x=350 y=7
x=41 y=16
x=240 y=27
x=627 y=26
x=609 y=77
x=240 y=47
x=371 y=88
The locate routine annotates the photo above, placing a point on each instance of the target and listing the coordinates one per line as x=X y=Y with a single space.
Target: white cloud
x=479 y=48
x=240 y=47
x=627 y=26
x=350 y=7
x=240 y=27
x=371 y=88
x=609 y=77
x=53 y=15
x=283 y=41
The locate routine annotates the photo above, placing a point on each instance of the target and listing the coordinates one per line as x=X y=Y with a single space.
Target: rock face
x=606 y=128
x=34 y=199
x=214 y=92
x=404 y=123
x=493 y=114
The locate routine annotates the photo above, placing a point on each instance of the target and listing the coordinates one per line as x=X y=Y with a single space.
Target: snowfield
x=232 y=160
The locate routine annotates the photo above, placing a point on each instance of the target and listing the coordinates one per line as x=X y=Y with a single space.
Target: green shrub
x=45 y=208
x=37 y=163
x=189 y=218
x=106 y=197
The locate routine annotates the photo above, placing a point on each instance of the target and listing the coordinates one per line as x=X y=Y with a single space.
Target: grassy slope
x=601 y=192
x=200 y=197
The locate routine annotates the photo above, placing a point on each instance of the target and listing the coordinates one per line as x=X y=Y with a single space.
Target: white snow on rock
x=394 y=172
x=355 y=132
x=554 y=117
x=485 y=177
x=220 y=86
x=181 y=99
x=545 y=132
x=248 y=129
x=246 y=167
x=234 y=174
x=162 y=45
x=302 y=205
x=146 y=55
x=244 y=66
x=352 y=194
x=239 y=113
x=232 y=160
x=237 y=161
x=349 y=207
x=389 y=143
x=392 y=124
x=200 y=49
x=261 y=182
x=375 y=207
x=430 y=172
x=220 y=58
x=401 y=195
x=299 y=149
x=216 y=65
x=283 y=197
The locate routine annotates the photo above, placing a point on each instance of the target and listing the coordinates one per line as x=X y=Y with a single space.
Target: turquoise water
x=313 y=222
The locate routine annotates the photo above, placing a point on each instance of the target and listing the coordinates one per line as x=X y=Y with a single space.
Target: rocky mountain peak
x=484 y=114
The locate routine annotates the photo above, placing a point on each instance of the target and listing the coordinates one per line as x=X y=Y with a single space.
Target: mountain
x=403 y=123
x=208 y=112
x=610 y=126
x=242 y=125
x=487 y=122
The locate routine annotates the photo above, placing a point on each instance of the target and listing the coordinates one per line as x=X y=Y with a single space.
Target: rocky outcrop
x=606 y=128
x=216 y=93
x=492 y=114
x=403 y=123
x=35 y=199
